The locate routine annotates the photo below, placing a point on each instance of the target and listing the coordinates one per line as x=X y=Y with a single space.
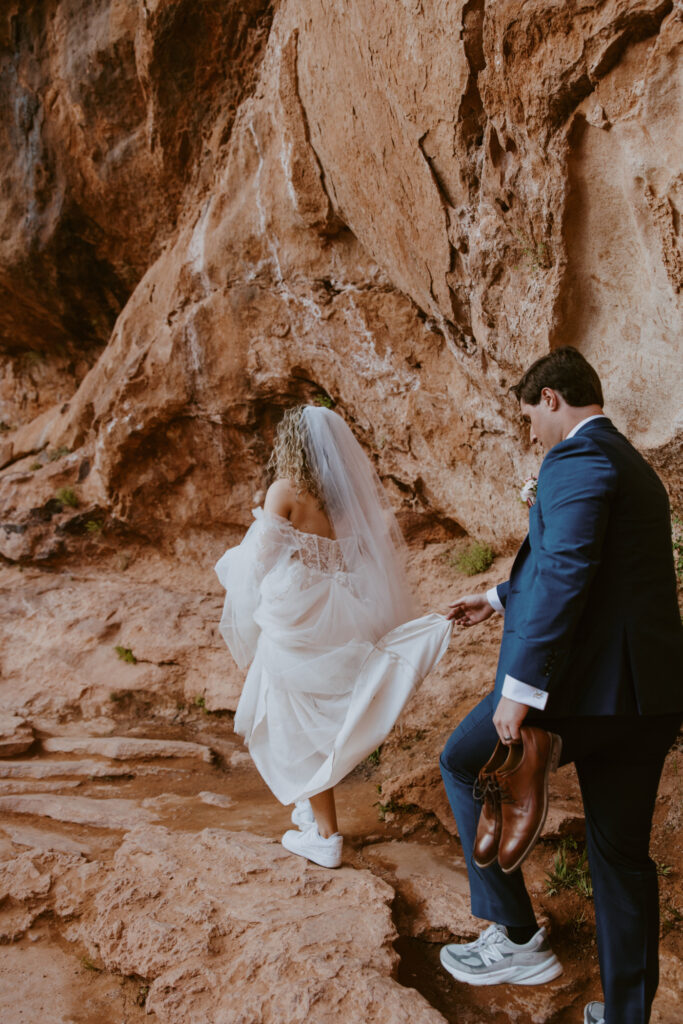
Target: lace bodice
x=319 y=553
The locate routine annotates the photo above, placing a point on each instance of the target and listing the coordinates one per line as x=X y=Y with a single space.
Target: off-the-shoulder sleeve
x=241 y=571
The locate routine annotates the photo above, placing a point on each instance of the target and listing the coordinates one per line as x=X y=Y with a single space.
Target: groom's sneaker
x=493 y=959
x=594 y=1013
x=310 y=844
x=302 y=815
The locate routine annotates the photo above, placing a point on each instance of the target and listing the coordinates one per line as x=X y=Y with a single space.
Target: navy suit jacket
x=591 y=613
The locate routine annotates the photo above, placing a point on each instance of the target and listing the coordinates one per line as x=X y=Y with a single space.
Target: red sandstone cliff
x=210 y=210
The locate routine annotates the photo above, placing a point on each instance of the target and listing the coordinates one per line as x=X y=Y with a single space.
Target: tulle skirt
x=322 y=693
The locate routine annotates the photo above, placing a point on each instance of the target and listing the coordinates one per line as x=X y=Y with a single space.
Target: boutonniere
x=528 y=491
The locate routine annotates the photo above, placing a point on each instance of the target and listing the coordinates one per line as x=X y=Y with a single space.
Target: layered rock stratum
x=211 y=210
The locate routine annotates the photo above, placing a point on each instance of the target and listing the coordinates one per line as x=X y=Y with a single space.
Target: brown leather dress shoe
x=486 y=789
x=523 y=786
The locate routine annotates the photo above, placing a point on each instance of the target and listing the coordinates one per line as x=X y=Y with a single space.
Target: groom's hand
x=469 y=610
x=508 y=717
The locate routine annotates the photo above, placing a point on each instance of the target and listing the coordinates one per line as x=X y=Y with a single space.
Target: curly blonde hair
x=288 y=459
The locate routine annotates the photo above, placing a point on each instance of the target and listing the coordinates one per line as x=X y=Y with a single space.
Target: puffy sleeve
x=241 y=571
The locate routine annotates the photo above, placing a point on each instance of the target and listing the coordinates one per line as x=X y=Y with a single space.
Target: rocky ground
x=140 y=870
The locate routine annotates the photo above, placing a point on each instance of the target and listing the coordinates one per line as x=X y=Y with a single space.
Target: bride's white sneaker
x=310 y=844
x=302 y=815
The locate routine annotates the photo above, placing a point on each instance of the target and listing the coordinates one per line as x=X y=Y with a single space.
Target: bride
x=318 y=606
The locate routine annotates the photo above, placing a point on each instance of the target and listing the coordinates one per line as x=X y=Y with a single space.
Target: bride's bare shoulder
x=280 y=498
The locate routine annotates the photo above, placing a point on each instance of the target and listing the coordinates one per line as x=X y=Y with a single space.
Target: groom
x=592 y=649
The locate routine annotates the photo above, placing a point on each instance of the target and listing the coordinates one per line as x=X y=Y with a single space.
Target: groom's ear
x=550 y=399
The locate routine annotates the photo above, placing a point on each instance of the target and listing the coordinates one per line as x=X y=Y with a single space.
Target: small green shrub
x=323 y=400
x=393 y=807
x=89 y=965
x=373 y=758
x=475 y=559
x=570 y=870
x=125 y=654
x=67 y=496
x=94 y=526
x=35 y=466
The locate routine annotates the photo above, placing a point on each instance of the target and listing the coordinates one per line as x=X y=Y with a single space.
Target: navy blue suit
x=591 y=619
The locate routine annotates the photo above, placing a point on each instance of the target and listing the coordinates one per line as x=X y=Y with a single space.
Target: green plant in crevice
x=534 y=254
x=125 y=654
x=393 y=806
x=570 y=870
x=94 y=526
x=67 y=496
x=323 y=400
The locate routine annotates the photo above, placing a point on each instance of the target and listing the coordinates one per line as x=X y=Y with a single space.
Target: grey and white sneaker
x=302 y=815
x=493 y=959
x=310 y=844
x=594 y=1013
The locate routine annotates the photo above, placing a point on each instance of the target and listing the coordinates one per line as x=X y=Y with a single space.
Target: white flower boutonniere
x=528 y=491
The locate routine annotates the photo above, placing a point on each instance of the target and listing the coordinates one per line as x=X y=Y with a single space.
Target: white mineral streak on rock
x=8 y=787
x=125 y=748
x=217 y=799
x=90 y=769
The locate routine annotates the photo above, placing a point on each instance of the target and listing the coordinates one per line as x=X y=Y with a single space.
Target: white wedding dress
x=324 y=687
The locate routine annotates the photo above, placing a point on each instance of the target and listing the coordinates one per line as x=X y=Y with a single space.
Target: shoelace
x=491 y=787
x=490 y=935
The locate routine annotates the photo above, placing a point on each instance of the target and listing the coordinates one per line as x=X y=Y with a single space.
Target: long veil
x=361 y=516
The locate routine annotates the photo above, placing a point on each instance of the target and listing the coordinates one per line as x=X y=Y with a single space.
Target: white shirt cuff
x=515 y=689
x=494 y=600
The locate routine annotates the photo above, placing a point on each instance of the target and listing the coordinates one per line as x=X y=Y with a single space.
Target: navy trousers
x=619 y=763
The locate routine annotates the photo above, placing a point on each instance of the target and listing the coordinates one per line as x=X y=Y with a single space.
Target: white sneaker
x=302 y=815
x=310 y=844
x=594 y=1013
x=493 y=958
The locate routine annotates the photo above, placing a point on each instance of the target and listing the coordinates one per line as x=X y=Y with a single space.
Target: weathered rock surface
x=108 y=813
x=16 y=735
x=90 y=769
x=61 y=632
x=322 y=216
x=42 y=839
x=39 y=981
x=159 y=911
x=123 y=748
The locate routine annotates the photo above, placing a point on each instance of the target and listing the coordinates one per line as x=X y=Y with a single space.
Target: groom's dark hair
x=564 y=370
